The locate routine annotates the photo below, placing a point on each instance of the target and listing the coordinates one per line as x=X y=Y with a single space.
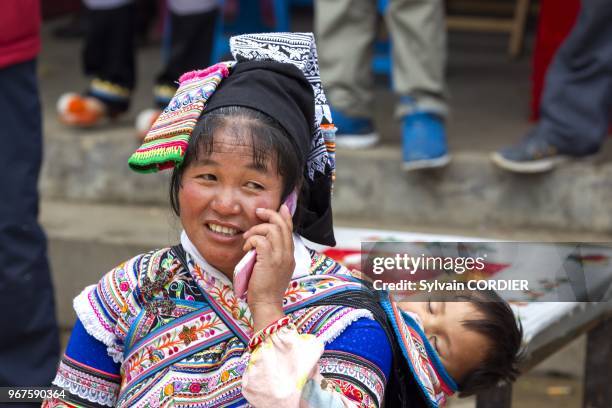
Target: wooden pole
x=517 y=34
x=598 y=367
x=496 y=397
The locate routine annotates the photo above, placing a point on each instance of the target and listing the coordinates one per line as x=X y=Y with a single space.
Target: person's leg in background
x=191 y=28
x=577 y=99
x=346 y=30
x=418 y=36
x=29 y=342
x=109 y=58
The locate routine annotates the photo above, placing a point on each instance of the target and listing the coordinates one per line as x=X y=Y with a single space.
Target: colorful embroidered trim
x=445 y=381
x=329 y=135
x=359 y=380
x=86 y=382
x=165 y=145
x=266 y=332
x=428 y=371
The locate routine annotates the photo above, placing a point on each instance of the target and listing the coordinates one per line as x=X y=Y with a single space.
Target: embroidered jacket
x=154 y=333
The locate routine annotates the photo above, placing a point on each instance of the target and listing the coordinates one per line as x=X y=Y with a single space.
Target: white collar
x=300 y=253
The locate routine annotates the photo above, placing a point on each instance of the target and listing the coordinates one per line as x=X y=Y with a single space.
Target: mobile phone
x=244 y=268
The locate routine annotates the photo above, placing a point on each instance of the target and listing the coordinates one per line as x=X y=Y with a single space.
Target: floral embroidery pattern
x=217 y=389
x=188 y=334
x=223 y=295
x=170 y=343
x=301 y=289
x=351 y=391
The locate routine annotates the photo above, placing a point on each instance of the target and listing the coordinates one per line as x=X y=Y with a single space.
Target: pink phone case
x=244 y=268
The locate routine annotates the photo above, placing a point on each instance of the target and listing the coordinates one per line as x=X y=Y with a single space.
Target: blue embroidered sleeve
x=366 y=338
x=87 y=372
x=85 y=349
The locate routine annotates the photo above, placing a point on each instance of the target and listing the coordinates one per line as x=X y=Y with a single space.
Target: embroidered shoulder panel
x=108 y=309
x=324 y=265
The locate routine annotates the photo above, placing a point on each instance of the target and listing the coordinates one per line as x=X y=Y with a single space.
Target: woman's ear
x=175 y=188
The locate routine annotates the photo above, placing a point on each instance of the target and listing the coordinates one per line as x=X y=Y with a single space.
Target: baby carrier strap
x=401 y=390
x=180 y=253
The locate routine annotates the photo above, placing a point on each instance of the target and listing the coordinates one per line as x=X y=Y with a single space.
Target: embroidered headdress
x=275 y=73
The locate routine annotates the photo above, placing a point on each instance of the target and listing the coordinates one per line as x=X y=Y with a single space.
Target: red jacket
x=19 y=31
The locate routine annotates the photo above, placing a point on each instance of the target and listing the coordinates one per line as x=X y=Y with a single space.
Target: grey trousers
x=576 y=104
x=346 y=31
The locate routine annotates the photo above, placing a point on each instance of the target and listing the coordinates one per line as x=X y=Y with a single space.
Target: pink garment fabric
x=283 y=367
x=19 y=31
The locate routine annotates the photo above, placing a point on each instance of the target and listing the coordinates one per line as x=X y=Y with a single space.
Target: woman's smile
x=219 y=195
x=224 y=230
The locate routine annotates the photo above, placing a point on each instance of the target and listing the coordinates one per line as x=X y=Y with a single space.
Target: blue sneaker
x=533 y=154
x=353 y=132
x=423 y=141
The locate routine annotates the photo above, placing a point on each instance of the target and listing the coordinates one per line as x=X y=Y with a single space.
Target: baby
x=466 y=343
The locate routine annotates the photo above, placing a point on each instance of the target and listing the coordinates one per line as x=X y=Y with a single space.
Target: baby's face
x=460 y=349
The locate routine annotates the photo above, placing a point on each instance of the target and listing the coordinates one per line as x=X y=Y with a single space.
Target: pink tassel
x=203 y=73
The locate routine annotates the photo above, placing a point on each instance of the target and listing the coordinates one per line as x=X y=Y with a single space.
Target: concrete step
x=470 y=192
x=85 y=241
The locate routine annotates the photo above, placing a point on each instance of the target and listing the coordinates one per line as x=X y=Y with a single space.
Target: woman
x=165 y=328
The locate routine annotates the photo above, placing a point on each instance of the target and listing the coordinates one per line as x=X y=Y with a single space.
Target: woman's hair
x=269 y=140
x=504 y=333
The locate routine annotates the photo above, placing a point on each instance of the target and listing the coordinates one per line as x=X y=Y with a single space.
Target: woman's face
x=219 y=195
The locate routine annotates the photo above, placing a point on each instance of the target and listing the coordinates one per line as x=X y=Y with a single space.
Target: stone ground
x=489 y=103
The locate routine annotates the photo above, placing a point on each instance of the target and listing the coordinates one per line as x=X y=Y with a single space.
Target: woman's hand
x=273 y=241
